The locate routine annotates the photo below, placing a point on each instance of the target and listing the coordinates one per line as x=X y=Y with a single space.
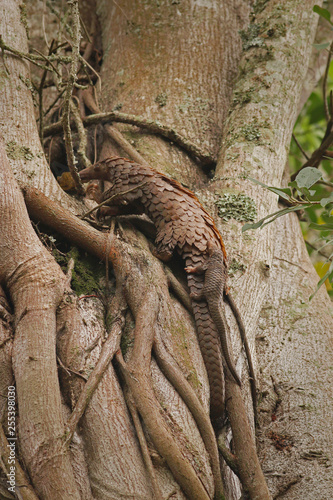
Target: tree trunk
x=286 y=329
x=175 y=63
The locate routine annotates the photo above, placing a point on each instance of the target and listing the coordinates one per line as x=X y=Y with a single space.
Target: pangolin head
x=97 y=171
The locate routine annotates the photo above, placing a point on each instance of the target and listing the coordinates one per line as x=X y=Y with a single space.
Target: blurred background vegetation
x=309 y=131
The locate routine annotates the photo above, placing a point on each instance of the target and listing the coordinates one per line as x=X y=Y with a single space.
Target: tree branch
x=152 y=126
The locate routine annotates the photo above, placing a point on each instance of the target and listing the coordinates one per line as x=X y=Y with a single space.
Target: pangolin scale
x=182 y=224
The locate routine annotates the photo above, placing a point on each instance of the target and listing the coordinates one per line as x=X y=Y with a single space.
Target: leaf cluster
x=301 y=194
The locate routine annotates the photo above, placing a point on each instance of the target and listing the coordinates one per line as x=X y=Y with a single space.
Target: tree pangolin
x=182 y=224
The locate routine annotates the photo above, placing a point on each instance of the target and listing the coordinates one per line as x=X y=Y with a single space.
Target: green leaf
x=307 y=192
x=292 y=184
x=321 y=46
x=322 y=227
x=257 y=182
x=254 y=225
x=280 y=192
x=248 y=225
x=284 y=193
x=329 y=275
x=308 y=177
x=286 y=211
x=326 y=201
x=328 y=242
x=323 y=13
x=273 y=217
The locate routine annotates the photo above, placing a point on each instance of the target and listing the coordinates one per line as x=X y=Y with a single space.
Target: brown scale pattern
x=182 y=224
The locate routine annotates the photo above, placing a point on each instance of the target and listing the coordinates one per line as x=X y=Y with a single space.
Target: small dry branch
x=67 y=104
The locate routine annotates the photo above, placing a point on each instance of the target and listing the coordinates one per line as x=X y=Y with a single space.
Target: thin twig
x=82 y=80
x=69 y=371
x=241 y=327
x=43 y=26
x=325 y=183
x=55 y=102
x=317 y=155
x=122 y=11
x=62 y=21
x=40 y=93
x=124 y=144
x=89 y=50
x=82 y=143
x=300 y=147
x=91 y=102
x=327 y=111
x=316 y=249
x=47 y=59
x=29 y=57
x=95 y=144
x=85 y=63
x=85 y=30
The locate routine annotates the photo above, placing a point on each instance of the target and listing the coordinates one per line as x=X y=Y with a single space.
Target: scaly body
x=183 y=225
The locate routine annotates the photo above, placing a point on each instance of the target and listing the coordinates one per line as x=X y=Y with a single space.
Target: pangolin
x=182 y=224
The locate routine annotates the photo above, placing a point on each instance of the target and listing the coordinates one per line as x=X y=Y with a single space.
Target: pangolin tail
x=209 y=341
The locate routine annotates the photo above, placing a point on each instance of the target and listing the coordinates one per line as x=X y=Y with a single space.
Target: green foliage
x=299 y=196
x=303 y=182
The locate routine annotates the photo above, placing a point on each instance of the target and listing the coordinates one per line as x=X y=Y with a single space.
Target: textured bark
x=112 y=455
x=176 y=63
x=129 y=264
